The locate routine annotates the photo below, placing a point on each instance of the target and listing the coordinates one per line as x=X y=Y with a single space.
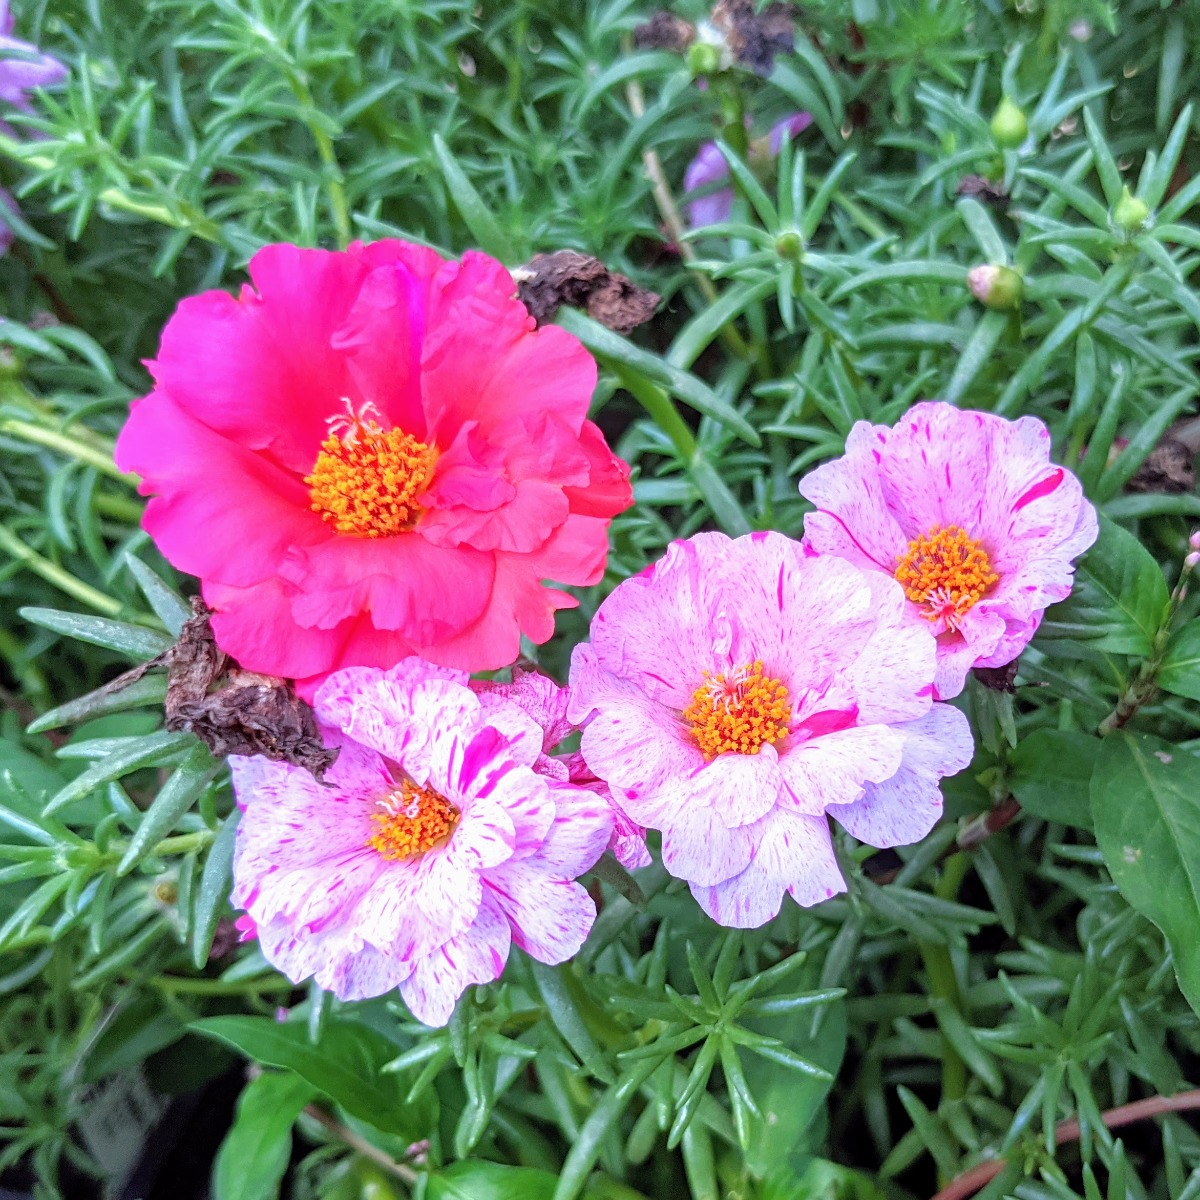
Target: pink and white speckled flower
x=741 y=691
x=434 y=846
x=969 y=513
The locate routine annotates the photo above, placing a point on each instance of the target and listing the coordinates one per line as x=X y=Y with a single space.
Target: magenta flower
x=709 y=168
x=967 y=511
x=23 y=66
x=435 y=844
x=741 y=691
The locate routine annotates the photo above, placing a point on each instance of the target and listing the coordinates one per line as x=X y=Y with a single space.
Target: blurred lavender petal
x=23 y=66
x=789 y=127
x=709 y=168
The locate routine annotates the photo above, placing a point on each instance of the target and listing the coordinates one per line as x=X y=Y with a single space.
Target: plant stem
x=325 y=151
x=94 y=456
x=61 y=578
x=969 y=1182
x=362 y=1146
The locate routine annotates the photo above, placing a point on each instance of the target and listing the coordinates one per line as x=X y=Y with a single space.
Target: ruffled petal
x=475 y=956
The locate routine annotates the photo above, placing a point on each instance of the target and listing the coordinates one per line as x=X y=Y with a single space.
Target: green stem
x=333 y=173
x=217 y=987
x=94 y=456
x=183 y=843
x=61 y=578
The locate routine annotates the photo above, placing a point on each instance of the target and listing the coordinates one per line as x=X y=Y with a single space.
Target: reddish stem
x=969 y=1182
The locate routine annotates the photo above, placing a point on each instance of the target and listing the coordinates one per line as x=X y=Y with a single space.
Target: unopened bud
x=1129 y=212
x=1009 y=126
x=1194 y=540
x=703 y=58
x=790 y=246
x=995 y=287
x=1191 y=560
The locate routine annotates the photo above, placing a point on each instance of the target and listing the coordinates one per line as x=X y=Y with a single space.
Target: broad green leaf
x=482 y=1180
x=789 y=1101
x=1050 y=774
x=346 y=1065
x=1119 y=598
x=256 y=1150
x=1180 y=671
x=1146 y=806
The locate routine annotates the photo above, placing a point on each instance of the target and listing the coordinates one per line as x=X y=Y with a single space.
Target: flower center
x=368 y=481
x=411 y=820
x=738 y=712
x=947 y=572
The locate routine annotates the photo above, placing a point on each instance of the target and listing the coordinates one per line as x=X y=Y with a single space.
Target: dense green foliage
x=957 y=1003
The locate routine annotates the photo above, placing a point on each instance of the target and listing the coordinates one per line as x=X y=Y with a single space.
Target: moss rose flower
x=966 y=510
x=371 y=454
x=434 y=846
x=739 y=692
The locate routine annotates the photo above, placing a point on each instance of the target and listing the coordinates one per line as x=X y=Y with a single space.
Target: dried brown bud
x=755 y=37
x=664 y=31
x=578 y=280
x=234 y=711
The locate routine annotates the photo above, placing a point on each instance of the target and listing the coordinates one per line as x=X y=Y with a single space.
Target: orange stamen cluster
x=946 y=571
x=368 y=481
x=412 y=820
x=738 y=712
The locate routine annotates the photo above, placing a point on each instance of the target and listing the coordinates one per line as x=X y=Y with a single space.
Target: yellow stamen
x=738 y=712
x=412 y=820
x=946 y=571
x=368 y=481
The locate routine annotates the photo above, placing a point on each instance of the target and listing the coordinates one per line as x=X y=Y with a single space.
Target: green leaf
x=553 y=989
x=155 y=749
x=1180 y=671
x=346 y=1065
x=480 y=1180
x=134 y=641
x=1146 y=806
x=215 y=882
x=149 y=690
x=168 y=607
x=983 y=229
x=790 y=1102
x=256 y=1150
x=484 y=227
x=1050 y=774
x=607 y=344
x=187 y=781
x=1119 y=598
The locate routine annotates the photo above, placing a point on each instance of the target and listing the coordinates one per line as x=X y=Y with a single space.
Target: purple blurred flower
x=23 y=66
x=709 y=167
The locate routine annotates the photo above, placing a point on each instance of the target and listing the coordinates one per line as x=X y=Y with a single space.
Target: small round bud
x=790 y=246
x=1190 y=560
x=996 y=287
x=703 y=58
x=1009 y=126
x=1129 y=212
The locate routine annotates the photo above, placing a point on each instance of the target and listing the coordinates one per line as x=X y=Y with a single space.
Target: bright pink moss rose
x=739 y=692
x=371 y=454
x=436 y=844
x=968 y=513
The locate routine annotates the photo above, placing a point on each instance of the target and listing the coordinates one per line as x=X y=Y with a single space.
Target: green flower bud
x=703 y=58
x=996 y=287
x=790 y=246
x=1009 y=126
x=1129 y=212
